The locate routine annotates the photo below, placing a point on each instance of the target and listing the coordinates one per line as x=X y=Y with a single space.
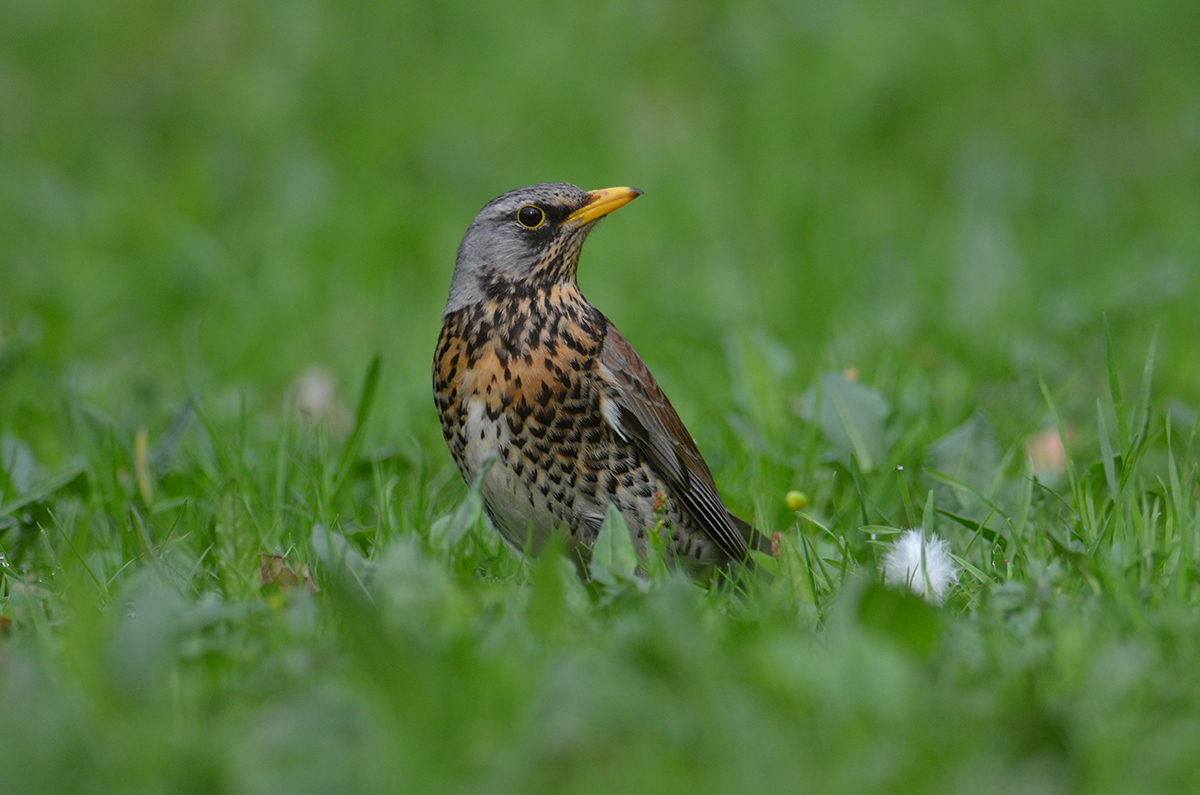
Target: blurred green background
x=210 y=199
x=214 y=196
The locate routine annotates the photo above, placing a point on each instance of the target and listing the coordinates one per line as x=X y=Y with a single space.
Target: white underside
x=507 y=496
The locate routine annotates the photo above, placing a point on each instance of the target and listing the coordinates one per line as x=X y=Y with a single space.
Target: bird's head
x=528 y=239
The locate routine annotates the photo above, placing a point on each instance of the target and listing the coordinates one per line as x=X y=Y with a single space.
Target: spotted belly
x=546 y=478
x=528 y=492
x=532 y=490
x=559 y=462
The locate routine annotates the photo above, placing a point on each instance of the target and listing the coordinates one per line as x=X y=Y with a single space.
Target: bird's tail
x=754 y=539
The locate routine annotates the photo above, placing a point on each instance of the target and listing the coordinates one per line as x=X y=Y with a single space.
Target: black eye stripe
x=531 y=216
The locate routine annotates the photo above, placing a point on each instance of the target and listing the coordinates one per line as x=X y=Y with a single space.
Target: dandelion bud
x=797 y=500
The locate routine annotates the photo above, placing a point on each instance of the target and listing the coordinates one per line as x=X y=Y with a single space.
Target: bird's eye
x=531 y=216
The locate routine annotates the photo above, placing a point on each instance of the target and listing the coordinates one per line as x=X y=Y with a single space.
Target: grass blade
x=43 y=490
x=1106 y=452
x=991 y=535
x=908 y=506
x=860 y=488
x=366 y=400
x=1114 y=388
x=1143 y=408
x=1072 y=479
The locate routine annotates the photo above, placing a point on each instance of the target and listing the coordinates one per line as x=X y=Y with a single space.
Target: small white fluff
x=922 y=564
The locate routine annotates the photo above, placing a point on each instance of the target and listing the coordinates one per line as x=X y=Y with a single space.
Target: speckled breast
x=517 y=381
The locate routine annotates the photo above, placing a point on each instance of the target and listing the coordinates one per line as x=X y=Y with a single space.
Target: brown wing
x=638 y=410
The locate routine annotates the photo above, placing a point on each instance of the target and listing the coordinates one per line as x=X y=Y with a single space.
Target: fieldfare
x=529 y=373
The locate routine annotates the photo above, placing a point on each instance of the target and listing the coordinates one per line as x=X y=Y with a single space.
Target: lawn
x=932 y=266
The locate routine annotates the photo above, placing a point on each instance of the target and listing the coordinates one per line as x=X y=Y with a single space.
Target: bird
x=538 y=390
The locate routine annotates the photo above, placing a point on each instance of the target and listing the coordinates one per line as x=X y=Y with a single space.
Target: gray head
x=528 y=238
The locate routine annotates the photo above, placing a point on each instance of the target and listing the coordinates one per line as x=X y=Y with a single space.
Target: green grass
x=987 y=214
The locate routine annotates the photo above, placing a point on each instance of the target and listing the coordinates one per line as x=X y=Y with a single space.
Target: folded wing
x=636 y=409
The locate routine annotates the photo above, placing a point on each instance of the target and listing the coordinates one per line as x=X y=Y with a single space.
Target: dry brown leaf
x=278 y=570
x=309 y=585
x=274 y=571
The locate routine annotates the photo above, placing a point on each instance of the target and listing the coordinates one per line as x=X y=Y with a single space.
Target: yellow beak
x=601 y=203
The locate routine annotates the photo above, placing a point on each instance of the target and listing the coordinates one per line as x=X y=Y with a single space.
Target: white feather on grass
x=922 y=564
